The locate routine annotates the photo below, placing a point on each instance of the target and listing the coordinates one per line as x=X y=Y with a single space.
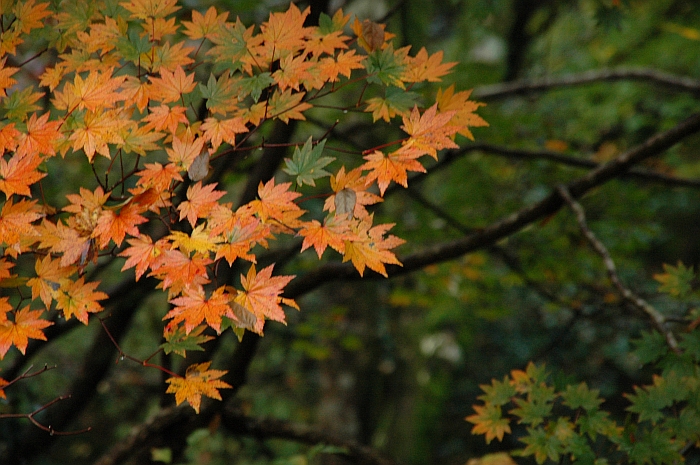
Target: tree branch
x=528 y=86
x=267 y=428
x=509 y=225
x=630 y=297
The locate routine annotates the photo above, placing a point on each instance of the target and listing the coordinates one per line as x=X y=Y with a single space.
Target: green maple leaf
x=179 y=342
x=383 y=67
x=307 y=163
x=254 y=85
x=581 y=397
x=676 y=280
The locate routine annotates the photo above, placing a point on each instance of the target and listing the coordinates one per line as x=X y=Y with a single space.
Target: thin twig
x=49 y=429
x=626 y=293
x=527 y=86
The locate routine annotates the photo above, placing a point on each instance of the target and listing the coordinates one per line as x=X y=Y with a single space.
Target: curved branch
x=509 y=225
x=267 y=428
x=555 y=157
x=528 y=86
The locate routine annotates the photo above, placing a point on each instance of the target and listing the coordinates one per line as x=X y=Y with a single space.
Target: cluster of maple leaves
x=125 y=86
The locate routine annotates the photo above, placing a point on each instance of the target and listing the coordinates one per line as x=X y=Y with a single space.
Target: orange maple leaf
x=144 y=9
x=8 y=137
x=5 y=80
x=194 y=307
x=79 y=298
x=27 y=324
x=217 y=131
x=164 y=116
x=16 y=228
x=275 y=202
x=240 y=232
x=41 y=136
x=261 y=296
x=29 y=15
x=198 y=381
x=204 y=25
x=371 y=250
x=200 y=201
x=358 y=183
x=183 y=152
x=17 y=174
x=429 y=132
x=170 y=87
x=392 y=167
x=334 y=231
x=98 y=91
x=142 y=253
x=342 y=64
x=60 y=238
x=178 y=271
x=114 y=226
x=49 y=274
x=464 y=116
x=487 y=420
x=283 y=33
x=426 y=68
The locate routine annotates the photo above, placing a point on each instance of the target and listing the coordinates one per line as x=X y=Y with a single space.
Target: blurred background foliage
x=396 y=363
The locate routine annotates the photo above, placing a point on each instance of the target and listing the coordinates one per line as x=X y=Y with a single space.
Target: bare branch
x=267 y=428
x=630 y=297
x=49 y=429
x=528 y=86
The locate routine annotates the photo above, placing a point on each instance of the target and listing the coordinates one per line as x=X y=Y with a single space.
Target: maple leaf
x=144 y=9
x=194 y=307
x=158 y=177
x=183 y=152
x=287 y=105
x=199 y=241
x=204 y=25
x=60 y=238
x=98 y=91
x=217 y=131
x=177 y=271
x=395 y=102
x=335 y=230
x=343 y=64
x=163 y=117
x=114 y=226
x=372 y=248
x=16 y=225
x=200 y=201
x=142 y=253
x=5 y=80
x=392 y=167
x=464 y=116
x=426 y=68
x=261 y=296
x=275 y=202
x=307 y=163
x=40 y=137
x=170 y=87
x=283 y=33
x=79 y=298
x=487 y=420
x=293 y=71
x=241 y=232
x=29 y=15
x=8 y=137
x=27 y=324
x=179 y=342
x=95 y=131
x=429 y=132
x=49 y=274
x=17 y=174
x=198 y=381
x=355 y=181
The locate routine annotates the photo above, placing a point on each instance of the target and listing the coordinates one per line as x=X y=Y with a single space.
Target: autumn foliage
x=148 y=103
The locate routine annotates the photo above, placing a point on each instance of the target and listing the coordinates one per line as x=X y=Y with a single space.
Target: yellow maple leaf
x=198 y=381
